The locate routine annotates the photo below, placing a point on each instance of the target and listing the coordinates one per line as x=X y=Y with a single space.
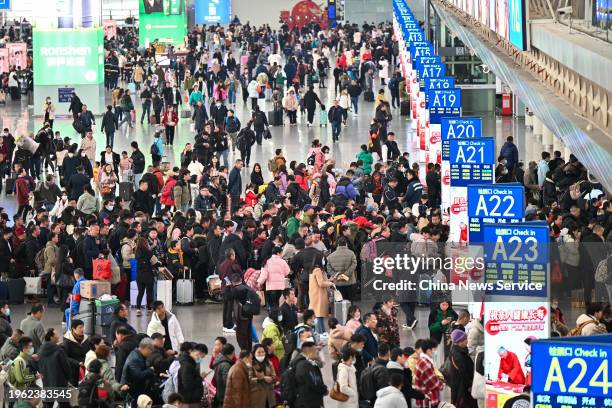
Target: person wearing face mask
x=6 y=330
x=20 y=375
x=262 y=379
x=237 y=391
x=189 y=380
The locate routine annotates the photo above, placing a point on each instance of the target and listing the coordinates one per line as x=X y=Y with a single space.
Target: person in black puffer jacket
x=190 y=385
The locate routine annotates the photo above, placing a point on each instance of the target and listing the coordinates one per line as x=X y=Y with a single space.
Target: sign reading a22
x=496 y=201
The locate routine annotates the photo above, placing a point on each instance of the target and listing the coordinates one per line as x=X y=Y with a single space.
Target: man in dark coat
x=53 y=364
x=109 y=125
x=309 y=379
x=260 y=123
x=334 y=115
x=189 y=379
x=234 y=185
x=124 y=343
x=199 y=117
x=76 y=183
x=135 y=372
x=142 y=199
x=510 y=153
x=370 y=349
x=310 y=103
x=75 y=106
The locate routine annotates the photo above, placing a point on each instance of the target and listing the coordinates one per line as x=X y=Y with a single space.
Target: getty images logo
x=65 y=51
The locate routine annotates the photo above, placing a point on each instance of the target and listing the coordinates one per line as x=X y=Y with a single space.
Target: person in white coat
x=347 y=379
x=253 y=94
x=391 y=396
x=164 y=322
x=383 y=72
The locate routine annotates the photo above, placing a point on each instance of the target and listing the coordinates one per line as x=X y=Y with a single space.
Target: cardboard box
x=94 y=289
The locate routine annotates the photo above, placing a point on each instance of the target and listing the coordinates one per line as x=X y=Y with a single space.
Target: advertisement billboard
x=516 y=23
x=68 y=56
x=213 y=11
x=508 y=356
x=17 y=54
x=4 y=60
x=162 y=20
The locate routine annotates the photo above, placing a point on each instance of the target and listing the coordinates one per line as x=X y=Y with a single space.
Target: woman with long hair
x=107 y=180
x=318 y=284
x=64 y=276
x=146 y=261
x=262 y=378
x=257 y=176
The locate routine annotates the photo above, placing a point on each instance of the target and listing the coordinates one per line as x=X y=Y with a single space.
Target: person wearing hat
x=32 y=326
x=462 y=371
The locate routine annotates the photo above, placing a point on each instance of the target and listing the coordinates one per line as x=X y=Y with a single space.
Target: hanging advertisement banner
x=517 y=32
x=110 y=29
x=496 y=203
x=162 y=20
x=18 y=55
x=4 y=60
x=516 y=259
x=213 y=11
x=68 y=56
x=509 y=327
x=572 y=372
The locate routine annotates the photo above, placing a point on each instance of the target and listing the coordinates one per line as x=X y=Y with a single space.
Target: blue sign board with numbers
x=572 y=372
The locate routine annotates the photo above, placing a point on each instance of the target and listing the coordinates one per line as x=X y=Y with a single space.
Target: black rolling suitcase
x=126 y=189
x=275 y=117
x=405 y=108
x=368 y=96
x=16 y=289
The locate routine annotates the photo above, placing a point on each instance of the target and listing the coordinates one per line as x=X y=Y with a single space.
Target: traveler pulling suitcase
x=341 y=310
x=164 y=292
x=184 y=289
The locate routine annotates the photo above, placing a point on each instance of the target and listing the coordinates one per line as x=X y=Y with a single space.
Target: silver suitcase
x=341 y=310
x=184 y=289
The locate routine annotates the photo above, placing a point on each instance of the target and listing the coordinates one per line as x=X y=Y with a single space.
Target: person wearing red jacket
x=169 y=121
x=510 y=366
x=166 y=194
x=24 y=185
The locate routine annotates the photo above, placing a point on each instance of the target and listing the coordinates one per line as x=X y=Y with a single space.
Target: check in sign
x=471 y=161
x=443 y=102
x=516 y=259
x=494 y=204
x=439 y=83
x=573 y=372
x=424 y=60
x=458 y=128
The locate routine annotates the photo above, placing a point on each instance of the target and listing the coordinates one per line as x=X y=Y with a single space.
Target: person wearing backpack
x=222 y=365
x=376 y=376
x=232 y=127
x=589 y=323
x=246 y=304
x=308 y=380
x=157 y=148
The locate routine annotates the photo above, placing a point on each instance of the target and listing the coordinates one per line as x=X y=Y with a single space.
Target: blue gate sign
x=494 y=204
x=431 y=71
x=472 y=161
x=423 y=59
x=5 y=4
x=439 y=83
x=443 y=102
x=516 y=259
x=572 y=372
x=458 y=128
x=421 y=48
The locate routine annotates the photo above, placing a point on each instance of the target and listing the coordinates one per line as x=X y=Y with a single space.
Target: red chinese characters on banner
x=515 y=320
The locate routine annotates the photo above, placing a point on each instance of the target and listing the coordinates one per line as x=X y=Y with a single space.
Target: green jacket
x=293 y=224
x=271 y=331
x=436 y=328
x=19 y=373
x=367 y=159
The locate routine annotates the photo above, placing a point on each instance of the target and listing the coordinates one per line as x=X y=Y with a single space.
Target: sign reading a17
x=432 y=71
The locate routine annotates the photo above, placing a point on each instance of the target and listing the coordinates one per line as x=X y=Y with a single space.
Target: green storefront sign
x=68 y=56
x=162 y=20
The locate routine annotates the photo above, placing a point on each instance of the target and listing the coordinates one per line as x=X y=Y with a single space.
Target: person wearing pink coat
x=273 y=275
